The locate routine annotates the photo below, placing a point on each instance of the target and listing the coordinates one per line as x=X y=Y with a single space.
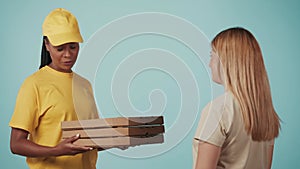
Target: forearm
x=19 y=144
x=28 y=148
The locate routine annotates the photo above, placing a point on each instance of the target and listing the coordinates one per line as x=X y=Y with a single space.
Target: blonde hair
x=246 y=77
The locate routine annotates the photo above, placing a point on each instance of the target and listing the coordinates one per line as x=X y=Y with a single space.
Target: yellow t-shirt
x=47 y=98
x=222 y=124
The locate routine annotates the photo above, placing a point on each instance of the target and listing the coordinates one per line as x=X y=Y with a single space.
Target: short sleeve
x=210 y=128
x=25 y=114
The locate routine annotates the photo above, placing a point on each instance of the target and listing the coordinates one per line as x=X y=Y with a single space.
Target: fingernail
x=91 y=148
x=77 y=135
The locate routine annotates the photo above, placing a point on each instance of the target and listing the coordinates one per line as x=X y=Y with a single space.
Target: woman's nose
x=67 y=53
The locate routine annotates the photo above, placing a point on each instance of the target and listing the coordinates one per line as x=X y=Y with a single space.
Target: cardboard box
x=116 y=132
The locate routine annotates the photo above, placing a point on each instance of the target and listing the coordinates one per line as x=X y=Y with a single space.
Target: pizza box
x=115 y=132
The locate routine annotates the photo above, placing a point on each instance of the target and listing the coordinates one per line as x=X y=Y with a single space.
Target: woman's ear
x=46 y=41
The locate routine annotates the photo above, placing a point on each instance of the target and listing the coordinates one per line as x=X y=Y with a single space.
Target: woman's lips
x=68 y=63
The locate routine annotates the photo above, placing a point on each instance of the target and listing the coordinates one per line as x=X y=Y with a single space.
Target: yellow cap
x=61 y=27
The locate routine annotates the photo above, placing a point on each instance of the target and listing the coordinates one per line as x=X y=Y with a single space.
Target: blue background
x=275 y=24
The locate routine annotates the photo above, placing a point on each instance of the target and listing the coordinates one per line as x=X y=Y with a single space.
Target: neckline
x=58 y=73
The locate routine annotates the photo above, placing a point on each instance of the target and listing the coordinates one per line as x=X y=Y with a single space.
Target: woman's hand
x=66 y=147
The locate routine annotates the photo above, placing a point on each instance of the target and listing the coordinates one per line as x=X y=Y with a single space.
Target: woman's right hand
x=66 y=147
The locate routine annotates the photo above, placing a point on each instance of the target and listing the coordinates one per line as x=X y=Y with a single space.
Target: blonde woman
x=237 y=129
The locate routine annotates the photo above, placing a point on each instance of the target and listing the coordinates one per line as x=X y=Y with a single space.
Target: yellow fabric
x=45 y=100
x=221 y=124
x=60 y=26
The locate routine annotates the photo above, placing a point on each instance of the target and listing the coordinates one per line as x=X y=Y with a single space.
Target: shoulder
x=213 y=123
x=80 y=79
x=221 y=110
x=33 y=79
x=81 y=82
x=221 y=103
x=31 y=84
x=38 y=75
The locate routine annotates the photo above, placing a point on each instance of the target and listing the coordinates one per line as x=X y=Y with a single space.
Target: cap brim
x=63 y=38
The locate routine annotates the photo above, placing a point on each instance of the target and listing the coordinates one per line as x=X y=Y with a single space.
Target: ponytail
x=45 y=55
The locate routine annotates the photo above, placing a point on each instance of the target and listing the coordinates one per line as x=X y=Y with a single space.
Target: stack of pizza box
x=115 y=132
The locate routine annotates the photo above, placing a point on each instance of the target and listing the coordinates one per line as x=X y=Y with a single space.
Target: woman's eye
x=59 y=49
x=73 y=46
